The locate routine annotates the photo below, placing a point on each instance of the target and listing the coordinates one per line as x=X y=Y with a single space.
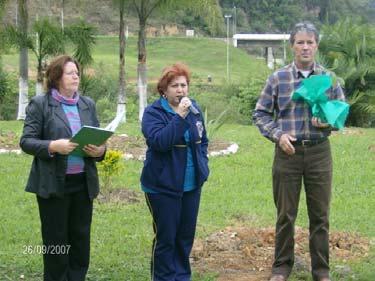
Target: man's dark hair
x=304 y=26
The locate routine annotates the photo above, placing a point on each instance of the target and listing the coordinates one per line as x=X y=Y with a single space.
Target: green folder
x=89 y=135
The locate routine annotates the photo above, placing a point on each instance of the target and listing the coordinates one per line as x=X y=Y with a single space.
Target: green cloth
x=313 y=91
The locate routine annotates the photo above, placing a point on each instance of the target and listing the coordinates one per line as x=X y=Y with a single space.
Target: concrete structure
x=270 y=45
x=189 y=32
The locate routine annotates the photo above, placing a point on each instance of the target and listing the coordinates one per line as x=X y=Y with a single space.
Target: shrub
x=212 y=100
x=104 y=91
x=8 y=96
x=247 y=97
x=106 y=109
x=110 y=167
x=237 y=100
x=348 y=48
x=98 y=87
x=213 y=125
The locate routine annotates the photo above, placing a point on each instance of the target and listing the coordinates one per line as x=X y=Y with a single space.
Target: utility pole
x=234 y=20
x=227 y=17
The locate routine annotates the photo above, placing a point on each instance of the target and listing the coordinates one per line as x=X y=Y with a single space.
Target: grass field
x=204 y=56
x=239 y=186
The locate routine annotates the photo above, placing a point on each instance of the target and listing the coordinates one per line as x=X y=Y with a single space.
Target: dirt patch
x=136 y=146
x=132 y=147
x=350 y=131
x=9 y=140
x=242 y=253
x=120 y=195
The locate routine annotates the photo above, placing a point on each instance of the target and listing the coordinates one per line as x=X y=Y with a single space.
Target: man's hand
x=286 y=145
x=93 y=150
x=318 y=124
x=62 y=146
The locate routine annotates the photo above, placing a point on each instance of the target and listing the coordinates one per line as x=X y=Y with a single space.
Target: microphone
x=192 y=108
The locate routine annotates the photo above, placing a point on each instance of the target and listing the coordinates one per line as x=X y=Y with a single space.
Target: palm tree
x=50 y=41
x=2 y=37
x=4 y=85
x=82 y=36
x=23 y=60
x=121 y=101
x=208 y=9
x=2 y=6
x=62 y=14
x=349 y=50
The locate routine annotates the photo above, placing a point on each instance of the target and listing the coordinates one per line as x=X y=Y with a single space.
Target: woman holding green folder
x=65 y=185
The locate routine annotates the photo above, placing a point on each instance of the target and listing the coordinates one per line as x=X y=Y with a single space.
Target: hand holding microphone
x=185 y=106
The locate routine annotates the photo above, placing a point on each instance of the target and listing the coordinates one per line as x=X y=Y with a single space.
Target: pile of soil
x=244 y=253
x=120 y=196
x=136 y=146
x=9 y=140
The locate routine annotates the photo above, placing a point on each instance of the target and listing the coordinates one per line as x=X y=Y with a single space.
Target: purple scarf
x=60 y=98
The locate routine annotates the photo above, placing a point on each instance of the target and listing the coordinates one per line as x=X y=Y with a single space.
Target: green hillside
x=205 y=57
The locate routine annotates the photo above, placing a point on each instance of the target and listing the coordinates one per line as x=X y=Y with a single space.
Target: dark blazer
x=46 y=121
x=166 y=156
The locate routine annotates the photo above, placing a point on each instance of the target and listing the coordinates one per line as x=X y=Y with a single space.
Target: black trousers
x=313 y=166
x=66 y=226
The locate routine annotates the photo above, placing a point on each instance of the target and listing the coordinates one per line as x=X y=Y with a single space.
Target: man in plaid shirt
x=302 y=152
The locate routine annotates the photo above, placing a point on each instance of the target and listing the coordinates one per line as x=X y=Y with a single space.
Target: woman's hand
x=93 y=150
x=183 y=107
x=62 y=146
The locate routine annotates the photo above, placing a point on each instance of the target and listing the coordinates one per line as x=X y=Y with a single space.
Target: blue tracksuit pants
x=174 y=223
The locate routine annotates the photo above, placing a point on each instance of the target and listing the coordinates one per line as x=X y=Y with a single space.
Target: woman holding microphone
x=174 y=171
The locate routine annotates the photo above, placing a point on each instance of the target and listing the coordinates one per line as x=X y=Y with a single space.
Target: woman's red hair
x=170 y=73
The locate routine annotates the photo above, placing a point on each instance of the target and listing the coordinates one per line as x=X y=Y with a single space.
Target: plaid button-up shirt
x=276 y=113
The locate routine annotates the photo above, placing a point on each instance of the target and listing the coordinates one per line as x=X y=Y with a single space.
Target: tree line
x=50 y=41
x=279 y=16
x=347 y=46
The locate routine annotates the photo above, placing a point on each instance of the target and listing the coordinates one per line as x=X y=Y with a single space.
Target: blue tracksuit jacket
x=165 y=164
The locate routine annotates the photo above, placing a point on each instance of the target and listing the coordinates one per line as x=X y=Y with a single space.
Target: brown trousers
x=313 y=165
